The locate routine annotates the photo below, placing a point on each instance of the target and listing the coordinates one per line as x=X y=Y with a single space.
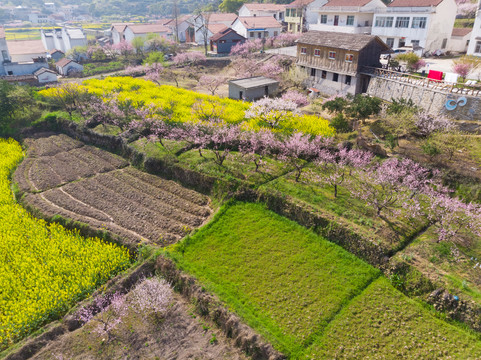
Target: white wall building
x=275 y=10
x=66 y=67
x=459 y=40
x=63 y=39
x=424 y=23
x=142 y=31
x=347 y=16
x=474 y=47
x=212 y=29
x=38 y=18
x=257 y=27
x=185 y=28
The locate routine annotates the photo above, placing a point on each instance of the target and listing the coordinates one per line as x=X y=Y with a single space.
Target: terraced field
x=63 y=176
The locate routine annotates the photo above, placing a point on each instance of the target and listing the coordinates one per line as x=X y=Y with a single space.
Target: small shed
x=45 y=76
x=66 y=67
x=224 y=40
x=252 y=88
x=56 y=54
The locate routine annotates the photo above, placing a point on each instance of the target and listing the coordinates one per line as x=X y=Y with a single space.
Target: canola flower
x=182 y=103
x=44 y=268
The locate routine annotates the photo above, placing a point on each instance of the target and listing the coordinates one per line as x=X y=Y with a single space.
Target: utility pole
x=175 y=13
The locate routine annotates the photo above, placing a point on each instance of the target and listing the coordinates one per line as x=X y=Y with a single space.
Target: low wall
x=456 y=106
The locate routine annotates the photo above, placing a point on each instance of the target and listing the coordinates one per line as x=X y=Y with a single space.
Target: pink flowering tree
x=151 y=297
x=463 y=69
x=296 y=97
x=108 y=311
x=246 y=48
x=212 y=83
x=124 y=48
x=271 y=112
x=189 y=58
x=428 y=124
x=256 y=145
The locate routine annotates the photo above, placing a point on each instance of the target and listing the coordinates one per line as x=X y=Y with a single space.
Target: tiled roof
x=63 y=62
x=222 y=17
x=53 y=51
x=215 y=28
x=265 y=7
x=149 y=28
x=120 y=26
x=461 y=31
x=259 y=22
x=222 y=33
x=75 y=33
x=357 y=3
x=415 y=3
x=180 y=20
x=355 y=42
x=25 y=47
x=43 y=70
x=298 y=3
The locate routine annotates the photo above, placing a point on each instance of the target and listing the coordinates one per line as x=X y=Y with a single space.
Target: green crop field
x=285 y=281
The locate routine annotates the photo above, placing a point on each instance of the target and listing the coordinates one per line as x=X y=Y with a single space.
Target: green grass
x=285 y=281
x=382 y=323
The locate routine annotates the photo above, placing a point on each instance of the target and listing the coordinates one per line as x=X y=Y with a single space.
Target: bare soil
x=179 y=335
x=62 y=176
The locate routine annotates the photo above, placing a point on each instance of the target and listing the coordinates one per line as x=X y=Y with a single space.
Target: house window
x=251 y=34
x=415 y=42
x=477 y=48
x=335 y=77
x=402 y=22
x=390 y=42
x=313 y=72
x=384 y=21
x=317 y=52
x=402 y=42
x=445 y=42
x=275 y=33
x=419 y=23
x=350 y=20
x=288 y=12
x=324 y=74
x=332 y=55
x=10 y=73
x=259 y=35
x=5 y=55
x=303 y=51
x=222 y=41
x=323 y=19
x=349 y=57
x=348 y=80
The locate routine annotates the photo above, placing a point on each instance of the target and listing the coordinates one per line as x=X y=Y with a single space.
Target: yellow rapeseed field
x=44 y=268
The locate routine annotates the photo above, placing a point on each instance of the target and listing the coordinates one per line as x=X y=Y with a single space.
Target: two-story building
x=277 y=11
x=142 y=30
x=334 y=61
x=257 y=27
x=348 y=16
x=424 y=23
x=215 y=23
x=296 y=14
x=63 y=38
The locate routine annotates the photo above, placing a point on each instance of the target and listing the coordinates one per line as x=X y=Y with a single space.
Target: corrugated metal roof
x=253 y=82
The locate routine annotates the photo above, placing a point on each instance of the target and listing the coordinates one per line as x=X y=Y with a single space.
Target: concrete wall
x=476 y=33
x=435 y=102
x=24 y=68
x=250 y=94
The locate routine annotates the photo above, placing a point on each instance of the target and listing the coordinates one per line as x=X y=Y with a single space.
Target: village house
x=223 y=41
x=182 y=28
x=333 y=60
x=67 y=67
x=63 y=39
x=348 y=16
x=26 y=50
x=257 y=27
x=252 y=88
x=45 y=76
x=143 y=30
x=474 y=47
x=215 y=23
x=56 y=54
x=459 y=40
x=424 y=23
x=212 y=29
x=297 y=13
x=117 y=32
x=275 y=10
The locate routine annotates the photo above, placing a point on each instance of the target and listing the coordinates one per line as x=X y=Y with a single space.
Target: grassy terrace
x=309 y=297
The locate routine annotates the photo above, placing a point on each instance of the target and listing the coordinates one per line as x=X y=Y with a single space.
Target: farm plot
x=64 y=177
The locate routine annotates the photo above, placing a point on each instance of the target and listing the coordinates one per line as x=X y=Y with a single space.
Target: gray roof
x=75 y=33
x=43 y=70
x=355 y=42
x=253 y=82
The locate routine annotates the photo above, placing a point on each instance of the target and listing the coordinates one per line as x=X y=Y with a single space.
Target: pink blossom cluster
x=151 y=296
x=467 y=9
x=427 y=124
x=247 y=67
x=271 y=111
x=245 y=48
x=189 y=58
x=296 y=97
x=463 y=69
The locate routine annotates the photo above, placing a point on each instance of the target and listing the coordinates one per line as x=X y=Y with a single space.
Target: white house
x=117 y=32
x=37 y=18
x=275 y=10
x=63 y=38
x=257 y=27
x=300 y=13
x=474 y=47
x=66 y=66
x=45 y=76
x=50 y=6
x=424 y=23
x=347 y=16
x=459 y=40
x=185 y=28
x=211 y=30
x=142 y=30
x=216 y=22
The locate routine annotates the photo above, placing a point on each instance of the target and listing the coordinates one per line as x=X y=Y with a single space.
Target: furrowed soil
x=63 y=176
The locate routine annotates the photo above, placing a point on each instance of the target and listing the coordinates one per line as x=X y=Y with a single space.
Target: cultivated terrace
x=146 y=215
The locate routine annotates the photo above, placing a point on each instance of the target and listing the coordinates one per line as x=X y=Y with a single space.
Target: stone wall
x=453 y=105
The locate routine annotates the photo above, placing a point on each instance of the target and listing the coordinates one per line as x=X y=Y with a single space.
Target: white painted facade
x=63 y=39
x=71 y=66
x=45 y=76
x=246 y=11
x=346 y=19
x=37 y=18
x=474 y=47
x=29 y=68
x=130 y=35
x=257 y=32
x=428 y=27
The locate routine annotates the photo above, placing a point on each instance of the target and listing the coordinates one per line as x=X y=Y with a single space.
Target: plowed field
x=63 y=176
